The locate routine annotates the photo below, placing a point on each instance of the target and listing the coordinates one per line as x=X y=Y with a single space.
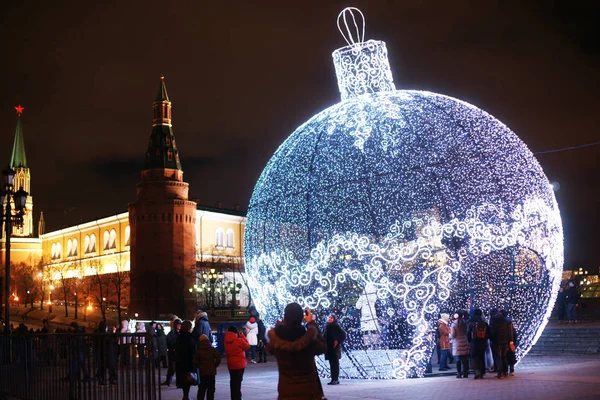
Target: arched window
x=86 y=244
x=58 y=250
x=219 y=237
x=127 y=235
x=106 y=239
x=74 y=249
x=93 y=243
x=54 y=251
x=113 y=239
x=229 y=239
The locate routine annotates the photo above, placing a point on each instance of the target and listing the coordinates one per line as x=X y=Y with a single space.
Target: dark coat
x=571 y=295
x=298 y=377
x=333 y=333
x=477 y=346
x=162 y=342
x=235 y=350
x=262 y=331
x=501 y=330
x=172 y=339
x=185 y=348
x=202 y=327
x=207 y=359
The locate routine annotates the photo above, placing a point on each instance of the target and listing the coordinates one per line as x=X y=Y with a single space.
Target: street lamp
x=10 y=218
x=50 y=298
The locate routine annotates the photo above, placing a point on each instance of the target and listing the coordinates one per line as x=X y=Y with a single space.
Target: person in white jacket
x=252 y=336
x=140 y=327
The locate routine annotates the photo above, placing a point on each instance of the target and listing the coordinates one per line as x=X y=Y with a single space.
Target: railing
x=79 y=366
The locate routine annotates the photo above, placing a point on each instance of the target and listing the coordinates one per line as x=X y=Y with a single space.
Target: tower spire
x=162 y=151
x=18 y=159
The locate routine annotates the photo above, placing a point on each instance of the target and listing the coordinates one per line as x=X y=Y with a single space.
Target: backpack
x=480 y=331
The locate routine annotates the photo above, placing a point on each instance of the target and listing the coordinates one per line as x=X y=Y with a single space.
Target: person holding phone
x=295 y=346
x=235 y=350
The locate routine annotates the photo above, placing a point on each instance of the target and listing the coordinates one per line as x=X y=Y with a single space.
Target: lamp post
x=75 y=304
x=50 y=298
x=9 y=218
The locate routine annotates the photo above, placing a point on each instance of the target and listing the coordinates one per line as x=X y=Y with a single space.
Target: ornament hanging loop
x=342 y=16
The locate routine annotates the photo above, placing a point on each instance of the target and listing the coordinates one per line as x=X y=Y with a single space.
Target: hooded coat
x=458 y=336
x=295 y=352
x=235 y=350
x=207 y=359
x=252 y=334
x=444 y=331
x=202 y=327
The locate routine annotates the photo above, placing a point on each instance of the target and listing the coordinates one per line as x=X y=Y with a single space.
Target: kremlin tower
x=162 y=221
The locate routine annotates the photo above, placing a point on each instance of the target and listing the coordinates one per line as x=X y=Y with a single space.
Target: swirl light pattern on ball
x=392 y=206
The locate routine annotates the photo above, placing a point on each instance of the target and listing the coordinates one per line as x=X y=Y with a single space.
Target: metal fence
x=80 y=366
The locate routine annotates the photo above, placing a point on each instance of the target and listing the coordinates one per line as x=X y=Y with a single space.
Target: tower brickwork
x=162 y=221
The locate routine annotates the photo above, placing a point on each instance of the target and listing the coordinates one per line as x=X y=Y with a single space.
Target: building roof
x=162 y=150
x=18 y=159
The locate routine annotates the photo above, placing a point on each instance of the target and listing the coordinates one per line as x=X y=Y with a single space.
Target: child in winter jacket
x=235 y=350
x=207 y=359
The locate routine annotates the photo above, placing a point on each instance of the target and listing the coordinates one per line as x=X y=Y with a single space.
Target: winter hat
x=444 y=316
x=233 y=329
x=252 y=319
x=293 y=314
x=478 y=312
x=203 y=337
x=186 y=326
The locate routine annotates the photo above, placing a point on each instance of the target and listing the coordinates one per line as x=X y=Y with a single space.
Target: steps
x=568 y=340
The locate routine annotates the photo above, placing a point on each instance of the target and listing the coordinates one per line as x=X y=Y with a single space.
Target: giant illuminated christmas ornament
x=394 y=205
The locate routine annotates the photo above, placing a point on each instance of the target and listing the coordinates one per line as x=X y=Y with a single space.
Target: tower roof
x=162 y=150
x=162 y=91
x=19 y=159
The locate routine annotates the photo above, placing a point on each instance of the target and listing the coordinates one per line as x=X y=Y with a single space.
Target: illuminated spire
x=162 y=151
x=18 y=159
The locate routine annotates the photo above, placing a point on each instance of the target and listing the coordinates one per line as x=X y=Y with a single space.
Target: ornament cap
x=361 y=67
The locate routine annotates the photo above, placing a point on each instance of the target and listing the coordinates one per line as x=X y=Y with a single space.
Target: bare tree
x=120 y=281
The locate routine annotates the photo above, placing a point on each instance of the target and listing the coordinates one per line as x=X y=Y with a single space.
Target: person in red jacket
x=236 y=345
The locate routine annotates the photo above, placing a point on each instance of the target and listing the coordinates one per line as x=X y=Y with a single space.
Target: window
x=93 y=243
x=113 y=240
x=127 y=235
x=54 y=251
x=69 y=248
x=106 y=239
x=74 y=249
x=229 y=239
x=86 y=244
x=219 y=237
x=58 y=251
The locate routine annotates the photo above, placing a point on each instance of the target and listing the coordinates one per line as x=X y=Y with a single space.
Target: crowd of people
x=476 y=344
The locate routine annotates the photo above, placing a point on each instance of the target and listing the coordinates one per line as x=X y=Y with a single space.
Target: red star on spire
x=19 y=109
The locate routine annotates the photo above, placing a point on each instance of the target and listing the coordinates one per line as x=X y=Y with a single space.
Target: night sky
x=243 y=75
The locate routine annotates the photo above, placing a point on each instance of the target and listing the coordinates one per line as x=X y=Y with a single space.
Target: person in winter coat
x=262 y=340
x=235 y=350
x=252 y=336
x=444 y=332
x=295 y=347
x=511 y=357
x=477 y=336
x=171 y=343
x=334 y=337
x=185 y=348
x=207 y=359
x=460 y=345
x=140 y=328
x=152 y=347
x=125 y=342
x=201 y=326
x=571 y=299
x=501 y=335
x=162 y=345
x=104 y=350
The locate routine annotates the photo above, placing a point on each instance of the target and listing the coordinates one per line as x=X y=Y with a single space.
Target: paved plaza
x=537 y=377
